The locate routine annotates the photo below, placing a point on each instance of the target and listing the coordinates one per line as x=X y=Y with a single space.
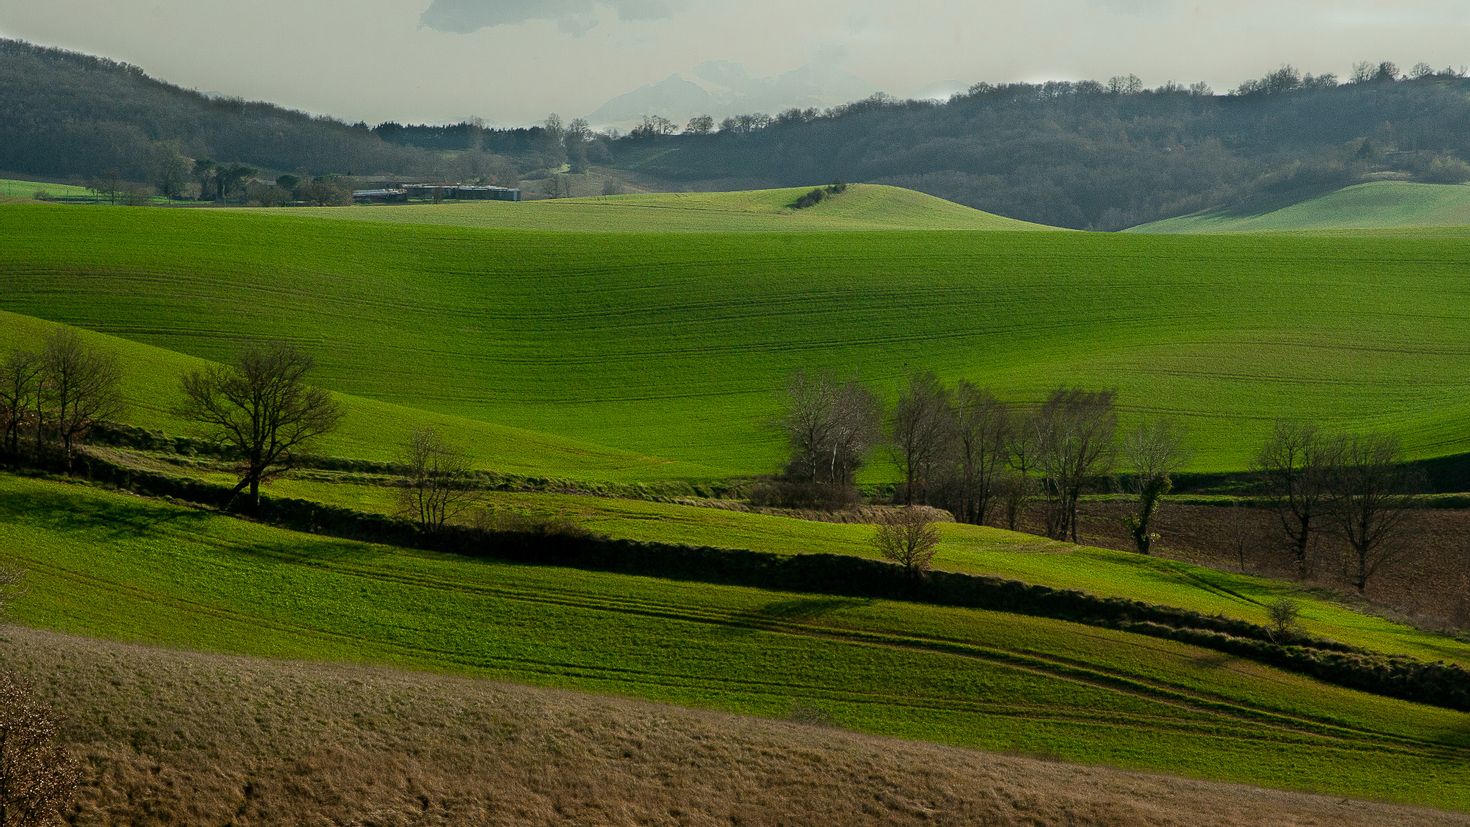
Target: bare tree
x=831 y=427
x=36 y=776
x=20 y=382
x=982 y=436
x=438 y=480
x=1074 y=443
x=1369 y=487
x=1293 y=467
x=907 y=536
x=1154 y=451
x=1018 y=485
x=262 y=408
x=923 y=430
x=78 y=387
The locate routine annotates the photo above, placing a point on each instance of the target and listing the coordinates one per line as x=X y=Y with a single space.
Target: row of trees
x=965 y=450
x=1356 y=484
x=962 y=449
x=50 y=398
x=260 y=408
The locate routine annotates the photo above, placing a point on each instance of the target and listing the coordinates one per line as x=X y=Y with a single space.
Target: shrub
x=1283 y=615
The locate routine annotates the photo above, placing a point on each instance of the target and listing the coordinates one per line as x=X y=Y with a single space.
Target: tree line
x=259 y=407
x=1101 y=155
x=991 y=462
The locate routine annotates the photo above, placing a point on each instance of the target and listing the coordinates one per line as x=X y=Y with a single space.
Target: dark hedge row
x=840 y=575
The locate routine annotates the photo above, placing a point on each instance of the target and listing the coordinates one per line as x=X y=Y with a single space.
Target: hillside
x=964 y=548
x=1078 y=154
x=862 y=207
x=216 y=739
x=121 y=567
x=677 y=346
x=1379 y=205
x=369 y=429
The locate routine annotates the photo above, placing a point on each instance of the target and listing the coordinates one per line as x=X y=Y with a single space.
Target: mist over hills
x=724 y=88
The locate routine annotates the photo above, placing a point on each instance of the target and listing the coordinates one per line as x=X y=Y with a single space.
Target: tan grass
x=171 y=737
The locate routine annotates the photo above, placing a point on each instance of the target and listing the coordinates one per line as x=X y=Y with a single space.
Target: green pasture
x=862 y=207
x=1377 y=206
x=127 y=568
x=965 y=548
x=13 y=188
x=675 y=346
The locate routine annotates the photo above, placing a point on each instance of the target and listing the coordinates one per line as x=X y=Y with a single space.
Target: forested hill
x=68 y=115
x=1071 y=154
x=1086 y=155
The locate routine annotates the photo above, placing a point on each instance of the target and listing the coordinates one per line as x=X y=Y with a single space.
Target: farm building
x=462 y=192
x=380 y=196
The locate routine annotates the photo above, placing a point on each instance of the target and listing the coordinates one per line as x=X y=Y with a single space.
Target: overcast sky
x=513 y=61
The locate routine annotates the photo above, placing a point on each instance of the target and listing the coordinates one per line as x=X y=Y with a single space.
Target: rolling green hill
x=676 y=345
x=369 y=429
x=132 y=569
x=862 y=207
x=1380 y=205
x=964 y=548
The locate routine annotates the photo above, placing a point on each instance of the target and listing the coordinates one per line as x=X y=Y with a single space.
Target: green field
x=122 y=567
x=1379 y=206
x=965 y=548
x=674 y=345
x=13 y=188
x=862 y=207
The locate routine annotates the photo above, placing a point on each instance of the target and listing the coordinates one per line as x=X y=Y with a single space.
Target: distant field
x=11 y=188
x=676 y=345
x=131 y=569
x=862 y=207
x=1380 y=205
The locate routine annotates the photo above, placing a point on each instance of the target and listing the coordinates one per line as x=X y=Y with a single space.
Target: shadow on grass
x=114 y=517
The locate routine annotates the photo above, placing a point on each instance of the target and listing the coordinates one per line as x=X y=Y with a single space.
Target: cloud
x=575 y=17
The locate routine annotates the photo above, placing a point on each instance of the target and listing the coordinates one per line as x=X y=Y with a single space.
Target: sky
x=513 y=61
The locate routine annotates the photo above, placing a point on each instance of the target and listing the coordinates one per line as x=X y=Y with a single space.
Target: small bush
x=1283 y=615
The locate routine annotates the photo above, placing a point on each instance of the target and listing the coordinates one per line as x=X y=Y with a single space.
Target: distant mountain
x=723 y=88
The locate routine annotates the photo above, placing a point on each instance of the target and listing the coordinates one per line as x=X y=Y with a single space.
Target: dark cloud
x=572 y=16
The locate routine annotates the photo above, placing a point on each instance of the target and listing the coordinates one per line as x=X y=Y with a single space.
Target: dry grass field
x=169 y=737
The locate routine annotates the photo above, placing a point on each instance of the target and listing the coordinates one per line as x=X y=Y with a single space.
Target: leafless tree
x=982 y=435
x=438 y=480
x=1154 y=451
x=262 y=408
x=78 y=387
x=1074 y=443
x=1293 y=468
x=1019 y=486
x=907 y=536
x=923 y=431
x=36 y=776
x=831 y=426
x=20 y=382
x=1369 y=487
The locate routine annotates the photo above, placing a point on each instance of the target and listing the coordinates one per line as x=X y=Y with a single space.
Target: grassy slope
x=13 y=188
x=966 y=548
x=862 y=207
x=370 y=429
x=1380 y=205
x=116 y=566
x=674 y=345
x=208 y=739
